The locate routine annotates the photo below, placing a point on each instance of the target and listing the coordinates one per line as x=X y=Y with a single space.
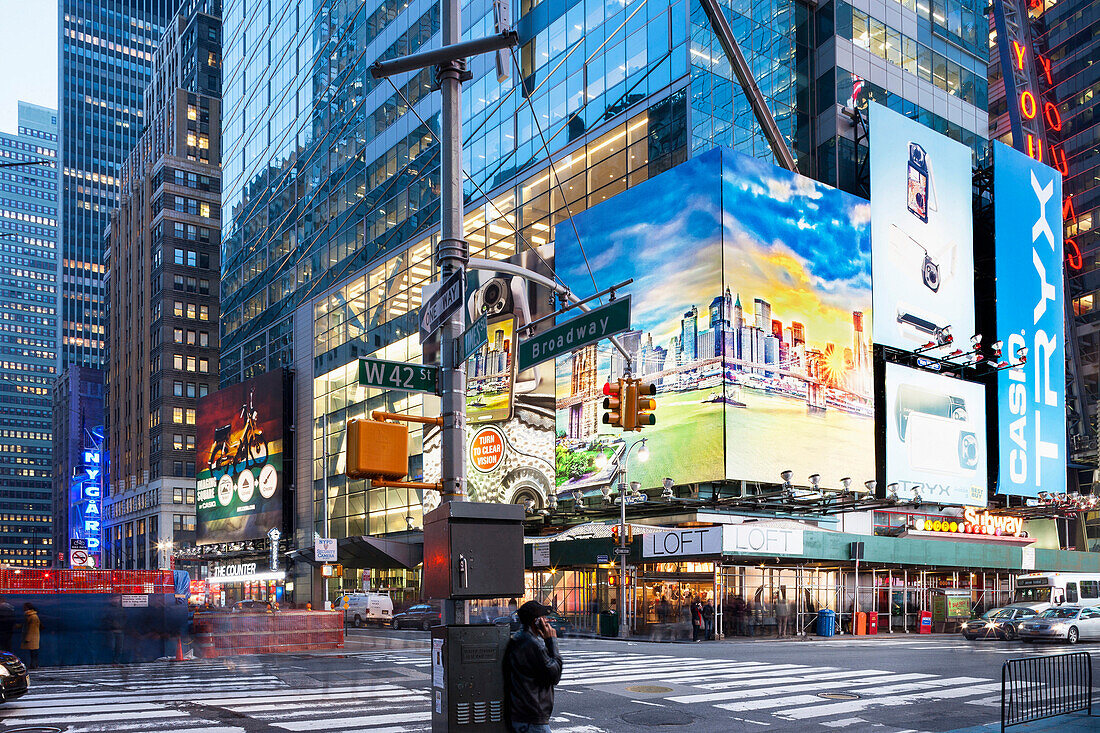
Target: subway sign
x=973 y=521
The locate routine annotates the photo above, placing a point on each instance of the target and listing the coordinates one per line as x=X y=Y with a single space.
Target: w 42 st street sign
x=398 y=375
x=596 y=324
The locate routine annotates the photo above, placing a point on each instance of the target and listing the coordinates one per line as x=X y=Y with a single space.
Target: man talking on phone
x=532 y=666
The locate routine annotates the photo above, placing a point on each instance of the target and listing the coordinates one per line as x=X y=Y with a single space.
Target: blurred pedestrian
x=532 y=666
x=32 y=630
x=708 y=619
x=696 y=620
x=115 y=624
x=782 y=615
x=750 y=618
x=7 y=626
x=739 y=615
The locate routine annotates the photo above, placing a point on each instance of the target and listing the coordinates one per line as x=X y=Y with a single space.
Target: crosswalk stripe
x=339 y=723
x=383 y=697
x=863 y=704
x=63 y=707
x=813 y=684
x=86 y=717
x=863 y=691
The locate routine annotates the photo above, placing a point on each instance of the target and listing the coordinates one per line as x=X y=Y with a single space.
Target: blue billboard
x=1031 y=323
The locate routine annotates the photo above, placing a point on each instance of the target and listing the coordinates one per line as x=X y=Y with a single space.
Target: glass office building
x=28 y=339
x=105 y=58
x=331 y=178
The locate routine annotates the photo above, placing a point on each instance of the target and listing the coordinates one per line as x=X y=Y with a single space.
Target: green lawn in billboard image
x=751 y=314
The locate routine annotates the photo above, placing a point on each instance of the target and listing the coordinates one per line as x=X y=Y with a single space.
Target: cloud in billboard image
x=923 y=232
x=751 y=309
x=935 y=437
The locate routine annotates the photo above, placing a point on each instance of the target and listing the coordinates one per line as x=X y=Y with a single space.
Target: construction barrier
x=230 y=634
x=129 y=582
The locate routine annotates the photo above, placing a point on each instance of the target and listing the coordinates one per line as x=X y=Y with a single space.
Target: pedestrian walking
x=708 y=620
x=750 y=618
x=7 y=626
x=739 y=615
x=115 y=624
x=696 y=620
x=782 y=616
x=32 y=631
x=532 y=666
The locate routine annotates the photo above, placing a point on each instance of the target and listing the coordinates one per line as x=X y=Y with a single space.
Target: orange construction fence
x=230 y=634
x=37 y=580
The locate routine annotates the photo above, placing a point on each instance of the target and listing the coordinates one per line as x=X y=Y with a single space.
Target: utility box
x=468 y=678
x=473 y=551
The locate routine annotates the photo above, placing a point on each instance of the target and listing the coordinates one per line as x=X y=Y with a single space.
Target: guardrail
x=230 y=634
x=41 y=580
x=1043 y=687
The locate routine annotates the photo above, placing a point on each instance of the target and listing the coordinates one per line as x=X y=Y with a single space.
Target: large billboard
x=1030 y=315
x=922 y=233
x=935 y=437
x=509 y=413
x=750 y=312
x=86 y=498
x=240 y=459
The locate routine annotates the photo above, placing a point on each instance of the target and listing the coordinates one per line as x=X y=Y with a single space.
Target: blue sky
x=28 y=56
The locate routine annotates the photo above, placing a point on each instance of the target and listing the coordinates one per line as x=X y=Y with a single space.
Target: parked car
x=997 y=623
x=361 y=608
x=1066 y=623
x=421 y=616
x=254 y=607
x=13 y=677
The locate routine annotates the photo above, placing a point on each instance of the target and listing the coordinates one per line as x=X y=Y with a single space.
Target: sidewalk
x=1072 y=723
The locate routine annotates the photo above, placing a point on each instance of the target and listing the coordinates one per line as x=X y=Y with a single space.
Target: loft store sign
x=683 y=542
x=745 y=539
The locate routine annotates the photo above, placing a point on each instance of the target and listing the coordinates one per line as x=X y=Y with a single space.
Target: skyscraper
x=689 y=336
x=163 y=270
x=106 y=53
x=28 y=309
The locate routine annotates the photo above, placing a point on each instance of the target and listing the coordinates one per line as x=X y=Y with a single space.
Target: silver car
x=1065 y=623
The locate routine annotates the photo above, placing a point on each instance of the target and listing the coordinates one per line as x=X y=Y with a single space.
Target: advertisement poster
x=751 y=314
x=922 y=233
x=240 y=461
x=509 y=413
x=935 y=437
x=1030 y=315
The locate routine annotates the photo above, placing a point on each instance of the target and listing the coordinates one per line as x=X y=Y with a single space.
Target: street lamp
x=643 y=456
x=164 y=546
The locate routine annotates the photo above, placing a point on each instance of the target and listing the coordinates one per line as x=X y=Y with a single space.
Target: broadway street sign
x=594 y=325
x=441 y=305
x=476 y=336
x=398 y=375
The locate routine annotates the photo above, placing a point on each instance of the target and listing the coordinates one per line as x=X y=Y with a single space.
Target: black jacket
x=532 y=666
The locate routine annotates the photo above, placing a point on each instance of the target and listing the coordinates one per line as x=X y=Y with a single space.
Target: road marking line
x=323 y=723
x=853 y=706
x=816 y=682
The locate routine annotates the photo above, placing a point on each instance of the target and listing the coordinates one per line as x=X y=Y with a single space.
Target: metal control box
x=468 y=678
x=473 y=551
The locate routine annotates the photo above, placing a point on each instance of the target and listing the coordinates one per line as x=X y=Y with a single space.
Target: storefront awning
x=376 y=553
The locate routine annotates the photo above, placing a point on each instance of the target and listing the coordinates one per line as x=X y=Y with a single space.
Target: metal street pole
x=623 y=632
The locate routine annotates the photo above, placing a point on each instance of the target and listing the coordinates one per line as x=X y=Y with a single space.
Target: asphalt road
x=380 y=683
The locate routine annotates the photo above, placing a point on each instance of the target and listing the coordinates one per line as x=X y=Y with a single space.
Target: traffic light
x=644 y=404
x=615 y=535
x=377 y=450
x=614 y=403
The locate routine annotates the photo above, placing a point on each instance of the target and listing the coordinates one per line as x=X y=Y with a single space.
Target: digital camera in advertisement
x=922 y=241
x=750 y=315
x=1031 y=431
x=241 y=432
x=935 y=437
x=509 y=412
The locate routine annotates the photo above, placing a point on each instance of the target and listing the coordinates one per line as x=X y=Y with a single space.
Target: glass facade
x=331 y=178
x=28 y=342
x=106 y=51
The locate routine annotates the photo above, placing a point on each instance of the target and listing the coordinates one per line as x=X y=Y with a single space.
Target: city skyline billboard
x=922 y=232
x=751 y=308
x=935 y=429
x=240 y=438
x=1027 y=212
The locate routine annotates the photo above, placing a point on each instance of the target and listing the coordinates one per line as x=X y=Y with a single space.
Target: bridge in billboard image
x=752 y=290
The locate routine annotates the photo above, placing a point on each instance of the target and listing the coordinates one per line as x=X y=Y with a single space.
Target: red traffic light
x=607 y=388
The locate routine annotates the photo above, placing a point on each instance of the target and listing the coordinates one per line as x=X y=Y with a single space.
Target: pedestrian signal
x=377 y=450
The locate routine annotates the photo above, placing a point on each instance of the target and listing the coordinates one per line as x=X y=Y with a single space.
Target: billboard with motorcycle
x=240 y=460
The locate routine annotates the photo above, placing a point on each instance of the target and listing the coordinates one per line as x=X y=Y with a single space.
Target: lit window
x=204 y=210
x=191 y=140
x=192 y=112
x=177 y=361
x=177 y=415
x=190 y=415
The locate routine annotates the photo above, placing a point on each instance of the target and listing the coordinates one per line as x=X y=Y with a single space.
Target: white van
x=361 y=608
x=1040 y=591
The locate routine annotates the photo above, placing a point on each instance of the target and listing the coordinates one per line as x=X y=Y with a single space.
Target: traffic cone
x=179 y=648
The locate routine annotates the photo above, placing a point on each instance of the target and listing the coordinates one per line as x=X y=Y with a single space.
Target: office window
x=177 y=389
x=177 y=415
x=177 y=468
x=189 y=469
x=190 y=389
x=177 y=361
x=192 y=258
x=203 y=390
x=204 y=338
x=190 y=442
x=177 y=442
x=177 y=495
x=190 y=337
x=190 y=363
x=190 y=494
x=178 y=259
x=177 y=282
x=177 y=309
x=190 y=415
x=177 y=335
x=204 y=366
x=204 y=312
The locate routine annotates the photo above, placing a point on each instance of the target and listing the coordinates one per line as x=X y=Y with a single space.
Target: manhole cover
x=838 y=696
x=655 y=717
x=648 y=688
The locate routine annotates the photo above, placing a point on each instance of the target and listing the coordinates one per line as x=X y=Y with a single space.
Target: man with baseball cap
x=532 y=666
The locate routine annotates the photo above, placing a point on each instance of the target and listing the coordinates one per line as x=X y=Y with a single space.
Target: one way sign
x=439 y=307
